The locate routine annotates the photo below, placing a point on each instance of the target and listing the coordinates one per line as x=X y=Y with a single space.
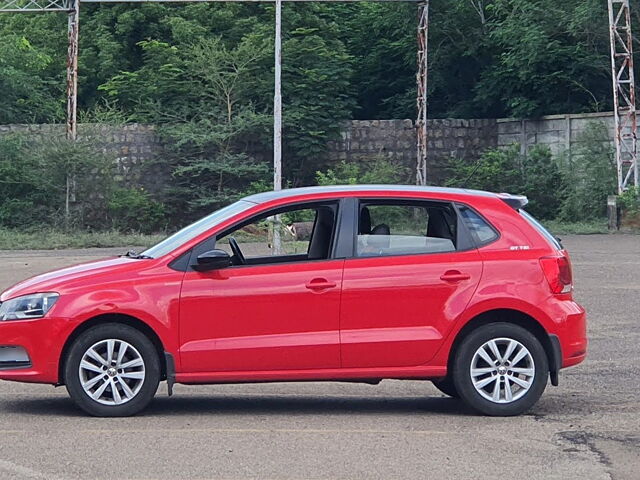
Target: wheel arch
x=516 y=317
x=119 y=318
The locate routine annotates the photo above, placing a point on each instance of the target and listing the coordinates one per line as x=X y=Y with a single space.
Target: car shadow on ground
x=256 y=404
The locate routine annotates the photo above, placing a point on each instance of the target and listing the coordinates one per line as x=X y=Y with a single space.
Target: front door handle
x=320 y=284
x=454 y=276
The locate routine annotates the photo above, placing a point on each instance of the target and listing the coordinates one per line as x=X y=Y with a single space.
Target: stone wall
x=132 y=145
x=361 y=141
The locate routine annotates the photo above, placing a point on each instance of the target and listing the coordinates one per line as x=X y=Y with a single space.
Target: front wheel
x=112 y=370
x=500 y=369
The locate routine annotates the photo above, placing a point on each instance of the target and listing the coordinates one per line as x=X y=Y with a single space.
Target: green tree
x=552 y=58
x=29 y=93
x=199 y=95
x=487 y=58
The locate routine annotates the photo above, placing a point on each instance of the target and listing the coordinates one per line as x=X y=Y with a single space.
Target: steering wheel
x=236 y=251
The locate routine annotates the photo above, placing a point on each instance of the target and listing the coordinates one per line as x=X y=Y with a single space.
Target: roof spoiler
x=514 y=201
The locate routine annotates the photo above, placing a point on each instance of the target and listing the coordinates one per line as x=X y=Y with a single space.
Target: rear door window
x=388 y=228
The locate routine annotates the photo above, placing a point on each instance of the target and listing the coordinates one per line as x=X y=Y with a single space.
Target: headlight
x=28 y=306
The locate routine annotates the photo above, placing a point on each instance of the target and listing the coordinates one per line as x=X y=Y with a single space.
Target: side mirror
x=212 y=260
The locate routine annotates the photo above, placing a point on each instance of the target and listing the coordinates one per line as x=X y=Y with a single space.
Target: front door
x=276 y=309
x=406 y=285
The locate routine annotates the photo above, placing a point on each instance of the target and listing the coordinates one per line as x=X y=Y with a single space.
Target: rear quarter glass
x=513 y=231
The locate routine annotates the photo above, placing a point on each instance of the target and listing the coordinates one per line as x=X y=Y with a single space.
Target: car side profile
x=344 y=283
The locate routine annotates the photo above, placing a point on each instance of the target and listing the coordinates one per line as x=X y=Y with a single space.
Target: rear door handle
x=320 y=284
x=454 y=276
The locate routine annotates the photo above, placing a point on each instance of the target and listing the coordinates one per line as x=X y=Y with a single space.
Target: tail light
x=558 y=273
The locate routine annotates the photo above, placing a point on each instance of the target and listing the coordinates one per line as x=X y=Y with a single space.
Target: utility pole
x=624 y=94
x=277 y=125
x=73 y=18
x=277 y=102
x=73 y=23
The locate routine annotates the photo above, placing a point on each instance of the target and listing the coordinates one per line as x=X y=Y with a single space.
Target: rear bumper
x=571 y=332
x=41 y=341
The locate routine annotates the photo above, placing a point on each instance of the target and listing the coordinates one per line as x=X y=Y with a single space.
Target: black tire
x=140 y=342
x=462 y=370
x=446 y=386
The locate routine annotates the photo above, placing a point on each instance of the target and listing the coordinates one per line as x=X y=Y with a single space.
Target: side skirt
x=365 y=375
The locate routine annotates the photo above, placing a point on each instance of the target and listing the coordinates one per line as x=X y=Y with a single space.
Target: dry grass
x=56 y=240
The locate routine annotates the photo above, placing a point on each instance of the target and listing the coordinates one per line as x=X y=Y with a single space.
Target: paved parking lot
x=588 y=428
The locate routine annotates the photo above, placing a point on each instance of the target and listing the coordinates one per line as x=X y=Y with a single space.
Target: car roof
x=294 y=192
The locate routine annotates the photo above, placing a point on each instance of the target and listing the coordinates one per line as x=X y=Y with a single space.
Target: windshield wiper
x=136 y=255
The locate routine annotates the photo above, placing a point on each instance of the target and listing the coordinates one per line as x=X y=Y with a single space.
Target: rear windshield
x=543 y=231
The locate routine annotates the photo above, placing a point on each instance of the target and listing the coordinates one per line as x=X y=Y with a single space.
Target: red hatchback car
x=357 y=283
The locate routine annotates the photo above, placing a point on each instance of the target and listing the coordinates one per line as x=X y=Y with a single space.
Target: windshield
x=192 y=231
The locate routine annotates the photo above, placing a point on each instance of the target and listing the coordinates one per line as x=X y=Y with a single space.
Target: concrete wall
x=561 y=133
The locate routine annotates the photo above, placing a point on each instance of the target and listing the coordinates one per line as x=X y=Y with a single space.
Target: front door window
x=300 y=234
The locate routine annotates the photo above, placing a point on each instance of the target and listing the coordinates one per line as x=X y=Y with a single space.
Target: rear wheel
x=112 y=370
x=500 y=369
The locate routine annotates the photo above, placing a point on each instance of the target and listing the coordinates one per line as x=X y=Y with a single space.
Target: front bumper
x=41 y=340
x=12 y=357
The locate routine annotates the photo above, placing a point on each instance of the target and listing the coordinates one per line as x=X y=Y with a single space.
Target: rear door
x=414 y=270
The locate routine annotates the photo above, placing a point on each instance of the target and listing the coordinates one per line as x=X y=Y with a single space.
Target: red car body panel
x=272 y=320
x=396 y=310
x=381 y=317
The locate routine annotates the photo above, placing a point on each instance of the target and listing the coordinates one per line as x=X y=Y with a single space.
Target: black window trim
x=344 y=238
x=462 y=236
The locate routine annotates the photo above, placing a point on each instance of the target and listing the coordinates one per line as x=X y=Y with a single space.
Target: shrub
x=591 y=175
x=38 y=178
x=544 y=183
x=629 y=201
x=536 y=175
x=378 y=171
x=497 y=170
x=133 y=210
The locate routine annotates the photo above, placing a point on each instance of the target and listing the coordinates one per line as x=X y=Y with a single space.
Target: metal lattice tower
x=624 y=94
x=35 y=5
x=421 y=81
x=72 y=8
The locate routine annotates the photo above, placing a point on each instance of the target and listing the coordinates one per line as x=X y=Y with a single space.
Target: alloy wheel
x=502 y=370
x=112 y=372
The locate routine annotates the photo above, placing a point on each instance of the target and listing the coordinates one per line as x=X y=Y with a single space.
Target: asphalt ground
x=588 y=428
